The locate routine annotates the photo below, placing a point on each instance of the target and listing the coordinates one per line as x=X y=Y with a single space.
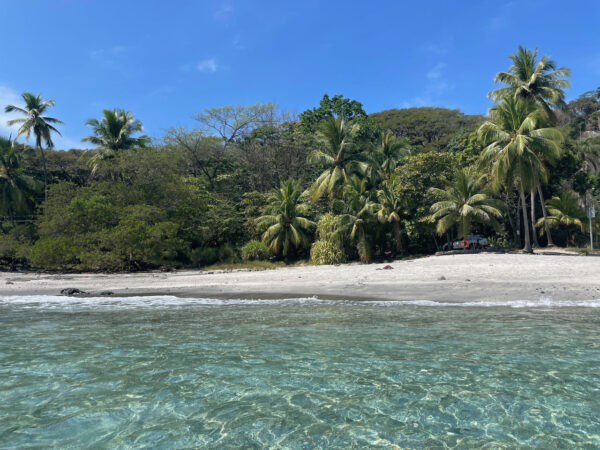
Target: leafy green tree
x=331 y=107
x=564 y=211
x=517 y=147
x=35 y=122
x=113 y=133
x=339 y=154
x=285 y=227
x=464 y=201
x=539 y=81
x=340 y=107
x=428 y=127
x=203 y=155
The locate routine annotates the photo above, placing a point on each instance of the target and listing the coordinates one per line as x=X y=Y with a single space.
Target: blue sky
x=167 y=60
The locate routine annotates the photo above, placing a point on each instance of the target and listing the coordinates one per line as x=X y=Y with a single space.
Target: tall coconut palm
x=284 y=226
x=539 y=81
x=464 y=201
x=360 y=217
x=114 y=133
x=564 y=211
x=517 y=148
x=387 y=153
x=16 y=188
x=391 y=209
x=339 y=154
x=35 y=122
x=542 y=83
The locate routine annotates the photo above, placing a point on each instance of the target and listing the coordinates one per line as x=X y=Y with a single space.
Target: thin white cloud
x=108 y=56
x=224 y=11
x=8 y=96
x=207 y=65
x=436 y=72
x=436 y=85
x=501 y=19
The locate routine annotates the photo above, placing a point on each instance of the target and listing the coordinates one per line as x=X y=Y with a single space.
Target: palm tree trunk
x=536 y=244
x=398 y=237
x=45 y=173
x=518 y=241
x=527 y=246
x=510 y=219
x=548 y=234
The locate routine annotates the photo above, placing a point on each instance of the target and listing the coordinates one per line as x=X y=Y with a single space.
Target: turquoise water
x=160 y=372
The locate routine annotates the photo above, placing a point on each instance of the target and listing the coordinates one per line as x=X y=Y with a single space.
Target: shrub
x=54 y=253
x=226 y=253
x=327 y=225
x=204 y=256
x=255 y=250
x=326 y=252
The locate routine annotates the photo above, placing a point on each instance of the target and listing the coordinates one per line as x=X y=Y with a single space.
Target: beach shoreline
x=447 y=278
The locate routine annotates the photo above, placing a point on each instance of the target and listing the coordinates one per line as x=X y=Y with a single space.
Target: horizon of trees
x=334 y=184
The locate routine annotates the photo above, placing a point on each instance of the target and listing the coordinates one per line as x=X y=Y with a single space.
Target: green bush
x=326 y=252
x=204 y=256
x=226 y=253
x=327 y=225
x=255 y=250
x=54 y=253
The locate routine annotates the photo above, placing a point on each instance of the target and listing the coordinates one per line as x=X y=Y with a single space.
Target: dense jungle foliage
x=333 y=184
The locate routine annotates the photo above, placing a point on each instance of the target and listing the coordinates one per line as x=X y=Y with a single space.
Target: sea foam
x=58 y=301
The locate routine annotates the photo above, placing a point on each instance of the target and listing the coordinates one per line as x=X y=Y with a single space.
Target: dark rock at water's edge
x=106 y=293
x=71 y=291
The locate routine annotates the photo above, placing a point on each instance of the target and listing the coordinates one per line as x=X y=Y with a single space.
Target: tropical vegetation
x=333 y=184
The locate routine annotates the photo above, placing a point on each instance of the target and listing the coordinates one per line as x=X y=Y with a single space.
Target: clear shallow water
x=163 y=372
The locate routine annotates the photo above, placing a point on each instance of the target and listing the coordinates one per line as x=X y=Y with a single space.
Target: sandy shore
x=452 y=278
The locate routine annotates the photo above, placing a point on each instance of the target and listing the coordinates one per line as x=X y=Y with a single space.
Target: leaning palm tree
x=114 y=133
x=517 y=148
x=35 y=122
x=539 y=81
x=339 y=155
x=284 y=226
x=464 y=201
x=391 y=209
x=564 y=211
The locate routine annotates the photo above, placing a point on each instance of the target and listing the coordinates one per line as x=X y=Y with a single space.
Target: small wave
x=57 y=301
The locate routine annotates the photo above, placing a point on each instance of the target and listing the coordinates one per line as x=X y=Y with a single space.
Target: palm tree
x=387 y=153
x=359 y=217
x=589 y=151
x=391 y=209
x=114 y=133
x=35 y=122
x=544 y=84
x=339 y=154
x=283 y=224
x=464 y=201
x=564 y=211
x=517 y=148
x=16 y=188
x=539 y=81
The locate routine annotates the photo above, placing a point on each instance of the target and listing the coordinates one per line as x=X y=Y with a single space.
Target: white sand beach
x=447 y=278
